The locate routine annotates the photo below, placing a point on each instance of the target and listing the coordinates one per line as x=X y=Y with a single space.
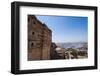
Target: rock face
x=56 y=52
x=39 y=39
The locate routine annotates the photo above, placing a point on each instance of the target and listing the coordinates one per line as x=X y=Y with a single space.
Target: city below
x=70 y=50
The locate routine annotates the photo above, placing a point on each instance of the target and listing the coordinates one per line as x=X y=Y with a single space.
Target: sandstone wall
x=39 y=39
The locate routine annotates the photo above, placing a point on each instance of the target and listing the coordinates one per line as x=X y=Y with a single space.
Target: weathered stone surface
x=39 y=39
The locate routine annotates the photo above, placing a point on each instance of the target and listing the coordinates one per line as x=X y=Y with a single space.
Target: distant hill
x=72 y=44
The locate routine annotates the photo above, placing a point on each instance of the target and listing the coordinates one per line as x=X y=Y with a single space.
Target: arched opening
x=32 y=44
x=32 y=33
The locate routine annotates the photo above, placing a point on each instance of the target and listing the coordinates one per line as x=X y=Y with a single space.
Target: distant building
x=53 y=52
x=68 y=55
x=39 y=39
x=57 y=52
x=82 y=49
x=61 y=52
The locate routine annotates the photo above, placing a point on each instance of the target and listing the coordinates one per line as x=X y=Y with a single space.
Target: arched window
x=32 y=33
x=32 y=44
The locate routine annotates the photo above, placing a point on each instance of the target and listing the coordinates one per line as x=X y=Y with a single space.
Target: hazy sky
x=66 y=28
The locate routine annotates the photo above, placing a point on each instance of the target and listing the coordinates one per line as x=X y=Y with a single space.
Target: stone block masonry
x=39 y=39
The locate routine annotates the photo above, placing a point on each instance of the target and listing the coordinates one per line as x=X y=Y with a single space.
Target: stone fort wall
x=39 y=39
